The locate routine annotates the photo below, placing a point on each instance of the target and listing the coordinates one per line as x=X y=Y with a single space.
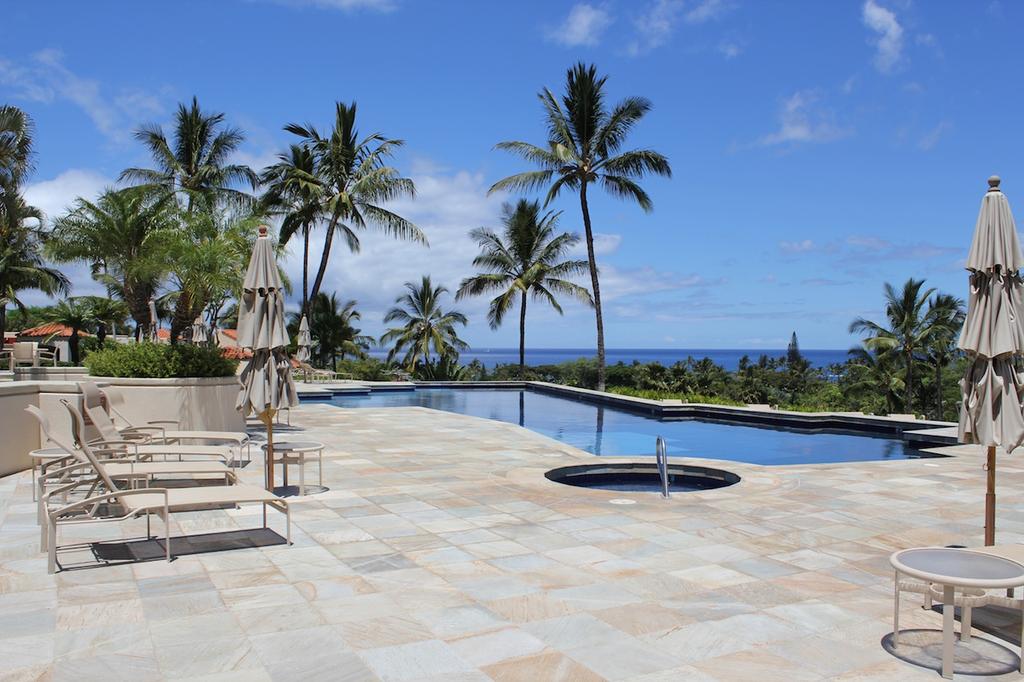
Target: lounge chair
x=309 y=372
x=157 y=429
x=143 y=445
x=114 y=504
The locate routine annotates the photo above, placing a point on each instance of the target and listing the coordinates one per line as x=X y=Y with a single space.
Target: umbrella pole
x=267 y=417
x=990 y=498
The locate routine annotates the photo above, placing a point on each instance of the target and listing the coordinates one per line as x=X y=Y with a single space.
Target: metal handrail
x=661 y=457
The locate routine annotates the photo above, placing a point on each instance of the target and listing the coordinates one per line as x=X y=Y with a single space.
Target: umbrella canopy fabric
x=198 y=331
x=266 y=380
x=304 y=341
x=993 y=332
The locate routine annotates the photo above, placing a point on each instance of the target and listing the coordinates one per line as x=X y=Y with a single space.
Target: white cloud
x=730 y=49
x=654 y=26
x=618 y=283
x=802 y=119
x=889 y=38
x=54 y=196
x=932 y=137
x=802 y=246
x=584 y=26
x=604 y=244
x=45 y=78
x=342 y=5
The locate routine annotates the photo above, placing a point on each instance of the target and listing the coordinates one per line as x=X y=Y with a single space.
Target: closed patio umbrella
x=992 y=336
x=198 y=332
x=267 y=384
x=304 y=341
x=153 y=320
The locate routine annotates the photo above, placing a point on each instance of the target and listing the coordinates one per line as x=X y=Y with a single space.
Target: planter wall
x=20 y=431
x=201 y=404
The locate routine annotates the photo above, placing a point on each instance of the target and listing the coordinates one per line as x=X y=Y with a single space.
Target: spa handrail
x=661 y=457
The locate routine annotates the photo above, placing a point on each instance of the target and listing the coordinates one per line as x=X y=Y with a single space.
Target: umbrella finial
x=993 y=183
x=263 y=228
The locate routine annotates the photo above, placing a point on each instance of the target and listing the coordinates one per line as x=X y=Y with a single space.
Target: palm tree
x=22 y=268
x=330 y=326
x=294 y=191
x=77 y=314
x=526 y=259
x=946 y=317
x=21 y=262
x=122 y=235
x=583 y=147
x=195 y=164
x=16 y=138
x=910 y=328
x=873 y=372
x=355 y=183
x=106 y=310
x=426 y=328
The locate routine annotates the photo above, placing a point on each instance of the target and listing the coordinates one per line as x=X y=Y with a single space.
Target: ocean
x=729 y=358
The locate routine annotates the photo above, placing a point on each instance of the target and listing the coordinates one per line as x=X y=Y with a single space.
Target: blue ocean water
x=729 y=358
x=608 y=431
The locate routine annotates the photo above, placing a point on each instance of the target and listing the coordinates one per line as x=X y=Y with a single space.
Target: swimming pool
x=604 y=430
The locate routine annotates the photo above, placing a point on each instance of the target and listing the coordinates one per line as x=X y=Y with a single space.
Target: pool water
x=609 y=431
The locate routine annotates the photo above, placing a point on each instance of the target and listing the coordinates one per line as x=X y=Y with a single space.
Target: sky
x=819 y=149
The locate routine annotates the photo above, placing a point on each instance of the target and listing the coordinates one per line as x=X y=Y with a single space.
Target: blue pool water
x=609 y=431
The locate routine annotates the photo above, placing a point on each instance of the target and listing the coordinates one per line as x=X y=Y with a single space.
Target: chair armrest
x=171 y=422
x=149 y=431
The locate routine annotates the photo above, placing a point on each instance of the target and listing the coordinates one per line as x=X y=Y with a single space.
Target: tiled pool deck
x=442 y=553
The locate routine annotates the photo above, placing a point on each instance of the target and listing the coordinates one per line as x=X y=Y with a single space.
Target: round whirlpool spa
x=642 y=477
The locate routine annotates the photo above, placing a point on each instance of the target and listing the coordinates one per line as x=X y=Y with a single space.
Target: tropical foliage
x=159 y=361
x=527 y=258
x=427 y=331
x=584 y=147
x=332 y=330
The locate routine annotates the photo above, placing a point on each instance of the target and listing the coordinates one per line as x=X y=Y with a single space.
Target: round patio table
x=295 y=452
x=41 y=459
x=952 y=569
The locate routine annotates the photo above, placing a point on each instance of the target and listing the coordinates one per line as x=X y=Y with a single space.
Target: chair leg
x=896 y=613
x=51 y=546
x=167 y=532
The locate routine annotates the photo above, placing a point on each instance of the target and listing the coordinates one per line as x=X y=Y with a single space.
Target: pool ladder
x=661 y=457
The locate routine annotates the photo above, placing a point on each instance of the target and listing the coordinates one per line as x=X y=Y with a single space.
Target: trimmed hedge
x=158 y=361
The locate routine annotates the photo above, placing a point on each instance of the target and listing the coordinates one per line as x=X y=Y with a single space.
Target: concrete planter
x=50 y=373
x=196 y=403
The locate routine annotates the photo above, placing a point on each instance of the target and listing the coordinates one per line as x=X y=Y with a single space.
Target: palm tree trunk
x=594 y=285
x=522 y=338
x=3 y=324
x=908 y=390
x=328 y=240
x=305 y=270
x=73 y=346
x=938 y=390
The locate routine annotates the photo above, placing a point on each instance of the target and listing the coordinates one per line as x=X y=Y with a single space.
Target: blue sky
x=819 y=149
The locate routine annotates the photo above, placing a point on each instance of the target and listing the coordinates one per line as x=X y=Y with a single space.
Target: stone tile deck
x=442 y=553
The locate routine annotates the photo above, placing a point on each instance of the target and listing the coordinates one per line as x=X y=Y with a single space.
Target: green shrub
x=158 y=361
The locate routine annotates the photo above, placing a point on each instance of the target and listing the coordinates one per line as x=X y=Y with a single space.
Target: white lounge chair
x=115 y=402
x=114 y=504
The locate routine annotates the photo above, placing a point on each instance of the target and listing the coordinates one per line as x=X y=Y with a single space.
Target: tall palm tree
x=355 y=182
x=122 y=235
x=527 y=258
x=106 y=310
x=427 y=329
x=946 y=317
x=21 y=262
x=77 y=314
x=195 y=163
x=908 y=332
x=294 y=192
x=583 y=147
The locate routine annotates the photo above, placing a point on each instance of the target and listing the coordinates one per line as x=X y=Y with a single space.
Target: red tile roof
x=164 y=334
x=47 y=330
x=230 y=333
x=233 y=353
